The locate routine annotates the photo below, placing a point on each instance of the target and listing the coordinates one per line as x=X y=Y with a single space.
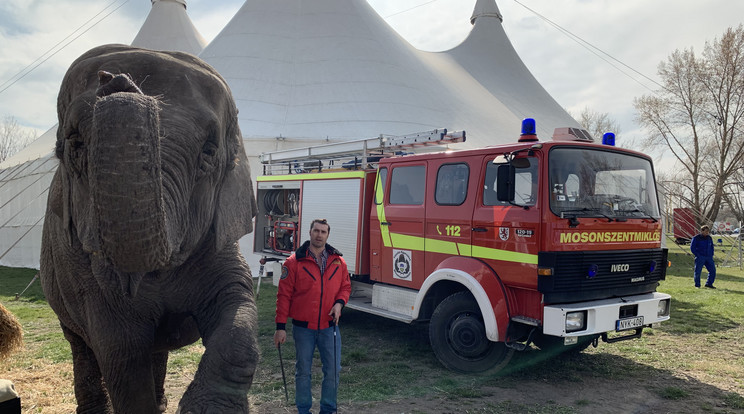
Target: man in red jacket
x=313 y=289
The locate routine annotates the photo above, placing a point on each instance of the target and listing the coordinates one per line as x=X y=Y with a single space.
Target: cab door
x=449 y=210
x=506 y=234
x=402 y=229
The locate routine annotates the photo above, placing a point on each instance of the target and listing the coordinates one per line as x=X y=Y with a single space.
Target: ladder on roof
x=354 y=154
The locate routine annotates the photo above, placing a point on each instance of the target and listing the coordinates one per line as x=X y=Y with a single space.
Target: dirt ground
x=49 y=390
x=608 y=397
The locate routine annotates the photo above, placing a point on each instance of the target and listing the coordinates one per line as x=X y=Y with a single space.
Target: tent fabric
x=327 y=69
x=168 y=27
x=23 y=191
x=335 y=70
x=489 y=57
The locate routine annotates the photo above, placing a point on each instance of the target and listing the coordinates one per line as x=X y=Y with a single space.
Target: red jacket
x=304 y=295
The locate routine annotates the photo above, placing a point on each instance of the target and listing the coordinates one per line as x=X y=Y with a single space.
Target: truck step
x=364 y=304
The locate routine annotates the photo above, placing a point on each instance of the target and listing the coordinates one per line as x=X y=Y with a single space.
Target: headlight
x=663 y=308
x=575 y=321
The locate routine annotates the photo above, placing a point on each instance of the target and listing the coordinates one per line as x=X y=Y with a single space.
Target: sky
x=614 y=62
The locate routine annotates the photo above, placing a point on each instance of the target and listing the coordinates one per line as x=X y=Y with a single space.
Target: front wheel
x=458 y=337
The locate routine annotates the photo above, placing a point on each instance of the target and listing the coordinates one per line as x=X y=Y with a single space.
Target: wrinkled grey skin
x=139 y=252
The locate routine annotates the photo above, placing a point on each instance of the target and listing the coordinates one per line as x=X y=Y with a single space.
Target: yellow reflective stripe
x=465 y=249
x=441 y=246
x=404 y=241
x=379 y=196
x=505 y=255
x=313 y=176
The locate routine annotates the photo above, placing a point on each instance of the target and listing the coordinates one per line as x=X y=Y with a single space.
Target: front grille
x=589 y=275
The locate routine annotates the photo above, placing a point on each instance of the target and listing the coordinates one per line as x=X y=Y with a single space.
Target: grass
x=692 y=363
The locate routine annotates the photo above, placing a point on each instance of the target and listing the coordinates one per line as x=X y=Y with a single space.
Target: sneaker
x=710 y=286
x=697 y=286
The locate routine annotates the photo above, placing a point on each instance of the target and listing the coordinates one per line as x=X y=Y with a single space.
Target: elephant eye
x=208 y=158
x=209 y=149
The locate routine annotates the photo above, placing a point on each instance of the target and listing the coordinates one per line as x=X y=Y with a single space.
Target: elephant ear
x=236 y=204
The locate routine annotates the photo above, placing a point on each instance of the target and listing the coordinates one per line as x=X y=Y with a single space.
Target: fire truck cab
x=554 y=243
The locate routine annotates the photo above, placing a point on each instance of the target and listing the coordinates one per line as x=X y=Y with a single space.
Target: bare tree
x=12 y=137
x=597 y=123
x=697 y=116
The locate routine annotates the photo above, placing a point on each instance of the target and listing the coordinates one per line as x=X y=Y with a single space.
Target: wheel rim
x=467 y=336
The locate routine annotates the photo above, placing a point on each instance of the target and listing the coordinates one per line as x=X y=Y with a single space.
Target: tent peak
x=485 y=8
x=182 y=2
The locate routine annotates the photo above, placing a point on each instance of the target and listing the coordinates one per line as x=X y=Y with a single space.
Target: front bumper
x=602 y=315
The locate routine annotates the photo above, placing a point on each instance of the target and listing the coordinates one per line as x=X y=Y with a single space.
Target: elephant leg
x=159 y=369
x=129 y=379
x=90 y=392
x=225 y=373
x=124 y=353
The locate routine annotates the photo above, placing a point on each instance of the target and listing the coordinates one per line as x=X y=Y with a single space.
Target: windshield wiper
x=590 y=210
x=645 y=215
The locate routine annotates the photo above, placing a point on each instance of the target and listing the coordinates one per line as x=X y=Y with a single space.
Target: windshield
x=596 y=183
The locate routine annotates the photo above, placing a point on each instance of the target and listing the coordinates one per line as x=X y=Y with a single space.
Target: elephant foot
x=205 y=401
x=162 y=403
x=211 y=409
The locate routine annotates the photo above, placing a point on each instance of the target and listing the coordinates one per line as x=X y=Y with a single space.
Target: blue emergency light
x=608 y=139
x=528 y=131
x=528 y=126
x=592 y=271
x=652 y=266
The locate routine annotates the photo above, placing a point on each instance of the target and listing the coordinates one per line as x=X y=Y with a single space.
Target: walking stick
x=335 y=363
x=18 y=295
x=258 y=282
x=284 y=379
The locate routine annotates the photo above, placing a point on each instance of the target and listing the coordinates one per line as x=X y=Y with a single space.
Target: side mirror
x=505 y=183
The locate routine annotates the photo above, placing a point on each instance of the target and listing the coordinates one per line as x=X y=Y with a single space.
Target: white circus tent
x=334 y=69
x=304 y=73
x=25 y=177
x=168 y=27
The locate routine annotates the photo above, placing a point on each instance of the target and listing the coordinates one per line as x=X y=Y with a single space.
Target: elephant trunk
x=126 y=183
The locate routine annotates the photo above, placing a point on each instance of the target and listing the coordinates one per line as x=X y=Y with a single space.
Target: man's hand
x=335 y=313
x=279 y=337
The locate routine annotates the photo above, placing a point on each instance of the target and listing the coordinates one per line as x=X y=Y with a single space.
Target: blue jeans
x=701 y=261
x=305 y=342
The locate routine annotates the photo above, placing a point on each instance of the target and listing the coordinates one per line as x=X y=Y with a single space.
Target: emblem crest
x=504 y=233
x=402 y=264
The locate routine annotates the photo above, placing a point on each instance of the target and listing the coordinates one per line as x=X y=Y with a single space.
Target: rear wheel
x=458 y=337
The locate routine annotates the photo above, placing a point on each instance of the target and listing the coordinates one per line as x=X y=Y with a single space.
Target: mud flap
x=514 y=331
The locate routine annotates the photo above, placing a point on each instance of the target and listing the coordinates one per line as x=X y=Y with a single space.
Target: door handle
x=480 y=229
x=385 y=223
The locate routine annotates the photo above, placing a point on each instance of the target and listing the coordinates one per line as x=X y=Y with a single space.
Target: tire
x=458 y=337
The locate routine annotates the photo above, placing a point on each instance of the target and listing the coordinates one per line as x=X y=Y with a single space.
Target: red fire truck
x=553 y=243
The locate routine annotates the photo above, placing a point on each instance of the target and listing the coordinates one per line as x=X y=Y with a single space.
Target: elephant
x=140 y=248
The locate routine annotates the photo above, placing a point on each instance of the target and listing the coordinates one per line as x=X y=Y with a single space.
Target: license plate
x=629 y=323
